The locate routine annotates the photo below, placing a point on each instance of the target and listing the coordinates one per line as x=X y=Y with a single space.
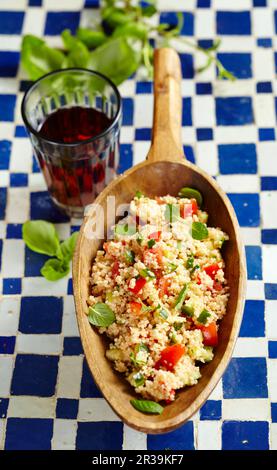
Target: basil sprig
x=101 y=315
x=147 y=406
x=199 y=231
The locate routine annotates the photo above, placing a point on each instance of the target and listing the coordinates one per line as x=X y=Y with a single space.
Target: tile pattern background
x=47 y=397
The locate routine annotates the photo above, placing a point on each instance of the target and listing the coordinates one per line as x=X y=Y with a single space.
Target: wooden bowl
x=164 y=172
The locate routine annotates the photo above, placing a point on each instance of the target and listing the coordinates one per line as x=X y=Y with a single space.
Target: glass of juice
x=73 y=117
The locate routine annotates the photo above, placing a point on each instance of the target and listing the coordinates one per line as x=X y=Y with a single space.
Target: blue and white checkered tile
x=229 y=129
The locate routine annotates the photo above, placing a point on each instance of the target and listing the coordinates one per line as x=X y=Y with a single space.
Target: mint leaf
x=41 y=236
x=203 y=317
x=191 y=193
x=147 y=406
x=68 y=246
x=54 y=269
x=37 y=58
x=199 y=231
x=101 y=315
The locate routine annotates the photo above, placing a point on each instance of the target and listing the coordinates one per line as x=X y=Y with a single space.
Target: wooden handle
x=167 y=122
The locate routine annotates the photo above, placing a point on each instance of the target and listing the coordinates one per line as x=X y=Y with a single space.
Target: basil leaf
x=129 y=256
x=68 y=246
x=139 y=194
x=151 y=243
x=149 y=10
x=91 y=38
x=199 y=231
x=172 y=213
x=135 y=30
x=78 y=52
x=181 y=298
x=101 y=315
x=37 y=58
x=190 y=262
x=191 y=193
x=55 y=269
x=42 y=237
x=203 y=317
x=147 y=406
x=125 y=229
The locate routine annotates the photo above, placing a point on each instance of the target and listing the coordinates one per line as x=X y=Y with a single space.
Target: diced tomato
x=172 y=396
x=210 y=337
x=159 y=200
x=115 y=269
x=170 y=356
x=187 y=210
x=155 y=236
x=217 y=286
x=140 y=283
x=212 y=270
x=135 y=307
x=158 y=252
x=163 y=285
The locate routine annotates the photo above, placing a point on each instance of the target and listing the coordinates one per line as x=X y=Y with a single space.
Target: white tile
x=267 y=158
x=200 y=60
x=134 y=440
x=39 y=344
x=273 y=436
x=127 y=135
x=95 y=409
x=8 y=85
x=70 y=327
x=143 y=115
x=223 y=5
x=206 y=157
x=40 y=286
x=236 y=44
x=271 y=319
x=17 y=112
x=187 y=87
x=255 y=290
x=203 y=111
x=246 y=409
x=13 y=258
x=31 y=407
x=250 y=347
x=175 y=5
x=21 y=156
x=140 y=151
x=36 y=182
x=4 y=179
x=17 y=5
x=226 y=88
x=6 y=370
x=6 y=128
x=272 y=379
x=269 y=263
x=64 y=434
x=127 y=88
x=188 y=135
x=69 y=377
x=63 y=5
x=209 y=435
x=263 y=64
x=34 y=21
x=230 y=134
x=235 y=183
x=2 y=433
x=262 y=22
x=217 y=392
x=250 y=235
x=204 y=23
x=18 y=205
x=264 y=111
x=2 y=229
x=268 y=201
x=9 y=315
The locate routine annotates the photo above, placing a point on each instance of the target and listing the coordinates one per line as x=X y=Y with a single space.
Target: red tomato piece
x=140 y=283
x=212 y=270
x=163 y=285
x=157 y=250
x=135 y=307
x=155 y=236
x=217 y=286
x=210 y=337
x=170 y=356
x=115 y=269
x=188 y=209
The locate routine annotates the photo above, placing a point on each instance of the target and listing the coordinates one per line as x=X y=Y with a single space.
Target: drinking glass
x=75 y=172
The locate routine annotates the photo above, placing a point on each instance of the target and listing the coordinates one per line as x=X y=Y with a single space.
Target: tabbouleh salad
x=158 y=291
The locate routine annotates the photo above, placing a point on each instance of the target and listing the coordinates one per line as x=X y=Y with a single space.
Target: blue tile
x=237 y=158
x=266 y=134
x=3 y=202
x=204 y=133
x=234 y=111
x=274 y=412
x=253 y=324
x=144 y=87
x=9 y=61
x=103 y=435
x=205 y=43
x=4 y=403
x=11 y=22
x=211 y=410
x=20 y=131
x=41 y=315
x=239 y=382
x=187 y=65
x=72 y=347
x=126 y=157
x=247 y=207
x=92 y=4
x=170 y=18
x=181 y=439
x=5 y=152
x=88 y=387
x=7 y=344
x=35 y=375
x=269 y=236
x=18 y=180
x=254 y=262
x=7 y=104
x=203 y=3
x=189 y=153
x=233 y=23
x=275 y=20
x=1 y=248
x=67 y=408
x=272 y=349
x=56 y=22
x=69 y=287
x=270 y=290
x=259 y=3
x=14 y=231
x=204 y=88
x=237 y=63
x=264 y=87
x=128 y=111
x=268 y=183
x=29 y=434
x=35 y=166
x=143 y=134
x=42 y=207
x=33 y=262
x=35 y=3
x=12 y=286
x=245 y=435
x=264 y=42
x=186 y=112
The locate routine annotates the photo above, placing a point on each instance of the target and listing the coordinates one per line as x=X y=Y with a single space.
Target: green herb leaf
x=125 y=229
x=181 y=297
x=151 y=243
x=194 y=269
x=78 y=52
x=138 y=379
x=41 y=236
x=147 y=406
x=190 y=262
x=129 y=256
x=68 y=246
x=191 y=193
x=179 y=245
x=142 y=347
x=147 y=273
x=139 y=194
x=203 y=317
x=139 y=238
x=177 y=326
x=188 y=311
x=91 y=38
x=101 y=315
x=199 y=231
x=171 y=267
x=37 y=58
x=135 y=30
x=172 y=212
x=55 y=269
